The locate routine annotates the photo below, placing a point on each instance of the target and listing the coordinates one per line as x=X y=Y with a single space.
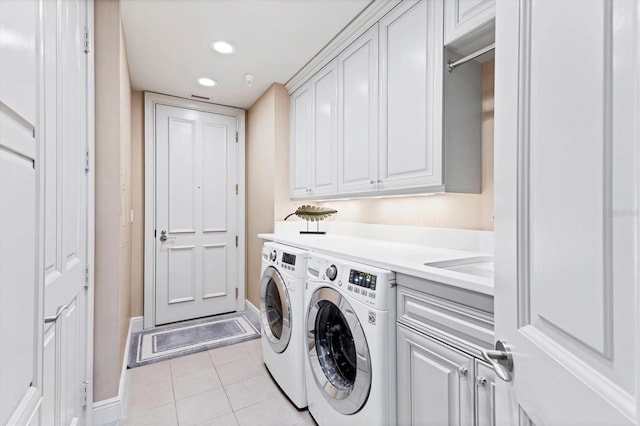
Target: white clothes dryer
x=282 y=316
x=351 y=342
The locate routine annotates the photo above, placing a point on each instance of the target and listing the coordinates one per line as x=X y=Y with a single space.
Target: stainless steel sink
x=480 y=266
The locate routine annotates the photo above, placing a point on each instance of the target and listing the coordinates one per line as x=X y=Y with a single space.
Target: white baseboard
x=107 y=411
x=110 y=410
x=250 y=307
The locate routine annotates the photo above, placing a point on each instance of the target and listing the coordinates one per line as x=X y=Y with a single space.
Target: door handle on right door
x=163 y=236
x=501 y=360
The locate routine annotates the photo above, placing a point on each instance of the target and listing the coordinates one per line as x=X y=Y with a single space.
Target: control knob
x=273 y=255
x=332 y=272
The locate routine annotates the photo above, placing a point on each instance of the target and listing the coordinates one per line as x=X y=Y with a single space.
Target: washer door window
x=275 y=309
x=338 y=351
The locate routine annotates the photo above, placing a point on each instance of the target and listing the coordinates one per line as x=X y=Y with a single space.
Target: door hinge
x=236 y=136
x=236 y=292
x=155 y=233
x=236 y=241
x=236 y=189
x=84 y=393
x=87 y=166
x=87 y=41
x=86 y=276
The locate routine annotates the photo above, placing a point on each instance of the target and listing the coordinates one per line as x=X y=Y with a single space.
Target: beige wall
x=137 y=189
x=113 y=199
x=267 y=169
x=464 y=211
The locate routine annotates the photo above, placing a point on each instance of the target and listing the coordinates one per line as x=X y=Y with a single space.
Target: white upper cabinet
x=314 y=135
x=301 y=140
x=469 y=24
x=324 y=163
x=411 y=52
x=385 y=117
x=358 y=94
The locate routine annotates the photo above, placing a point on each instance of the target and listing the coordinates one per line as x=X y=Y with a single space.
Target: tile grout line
x=173 y=389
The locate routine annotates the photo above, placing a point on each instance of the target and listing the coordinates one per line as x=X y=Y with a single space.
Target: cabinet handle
x=373 y=182
x=481 y=382
x=462 y=371
x=379 y=180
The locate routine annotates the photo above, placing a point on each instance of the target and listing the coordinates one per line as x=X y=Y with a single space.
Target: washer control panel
x=368 y=284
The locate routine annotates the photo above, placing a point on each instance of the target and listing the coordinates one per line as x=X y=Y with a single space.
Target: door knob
x=163 y=236
x=501 y=360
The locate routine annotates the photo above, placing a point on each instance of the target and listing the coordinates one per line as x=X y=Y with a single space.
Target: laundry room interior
x=319 y=212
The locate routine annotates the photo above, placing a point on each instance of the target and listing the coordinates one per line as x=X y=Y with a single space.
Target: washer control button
x=273 y=255
x=350 y=288
x=332 y=272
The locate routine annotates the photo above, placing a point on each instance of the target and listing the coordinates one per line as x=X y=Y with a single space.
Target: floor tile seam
x=173 y=389
x=135 y=413
x=176 y=399
x=130 y=387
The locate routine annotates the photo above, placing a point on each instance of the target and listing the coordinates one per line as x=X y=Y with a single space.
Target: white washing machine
x=351 y=342
x=282 y=316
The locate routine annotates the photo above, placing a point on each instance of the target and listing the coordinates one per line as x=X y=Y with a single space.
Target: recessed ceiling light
x=207 y=82
x=222 y=47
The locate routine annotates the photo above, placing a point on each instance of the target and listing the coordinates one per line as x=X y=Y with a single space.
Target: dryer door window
x=338 y=351
x=275 y=310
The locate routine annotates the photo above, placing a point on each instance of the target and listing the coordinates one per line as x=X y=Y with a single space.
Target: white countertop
x=399 y=257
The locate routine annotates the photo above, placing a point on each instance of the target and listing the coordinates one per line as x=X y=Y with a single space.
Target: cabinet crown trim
x=358 y=26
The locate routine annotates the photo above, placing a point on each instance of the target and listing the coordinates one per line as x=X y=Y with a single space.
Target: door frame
x=150 y=101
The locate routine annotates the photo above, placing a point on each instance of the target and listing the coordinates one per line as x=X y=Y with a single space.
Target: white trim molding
x=361 y=23
x=250 y=307
x=107 y=411
x=110 y=410
x=150 y=101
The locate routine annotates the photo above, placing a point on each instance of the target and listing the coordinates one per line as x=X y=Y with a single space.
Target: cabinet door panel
x=301 y=140
x=435 y=382
x=464 y=17
x=358 y=68
x=411 y=96
x=324 y=161
x=485 y=394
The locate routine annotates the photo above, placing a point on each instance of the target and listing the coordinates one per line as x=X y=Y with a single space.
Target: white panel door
x=435 y=382
x=358 y=129
x=301 y=141
x=20 y=292
x=196 y=214
x=566 y=208
x=43 y=212
x=411 y=61
x=65 y=139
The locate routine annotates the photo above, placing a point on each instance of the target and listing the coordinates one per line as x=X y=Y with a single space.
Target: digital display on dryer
x=362 y=279
x=289 y=259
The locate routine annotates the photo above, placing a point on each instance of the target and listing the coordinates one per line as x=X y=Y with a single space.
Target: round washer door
x=338 y=351
x=275 y=309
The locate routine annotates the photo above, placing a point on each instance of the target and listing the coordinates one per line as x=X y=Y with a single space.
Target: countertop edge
x=463 y=281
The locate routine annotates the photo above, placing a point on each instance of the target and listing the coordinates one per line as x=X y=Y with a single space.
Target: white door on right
x=566 y=210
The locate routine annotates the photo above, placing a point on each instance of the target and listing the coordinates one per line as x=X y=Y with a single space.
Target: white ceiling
x=168 y=43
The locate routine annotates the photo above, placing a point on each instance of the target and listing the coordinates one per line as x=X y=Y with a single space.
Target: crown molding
x=361 y=23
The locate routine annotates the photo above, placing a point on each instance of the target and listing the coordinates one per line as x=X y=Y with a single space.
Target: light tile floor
x=224 y=386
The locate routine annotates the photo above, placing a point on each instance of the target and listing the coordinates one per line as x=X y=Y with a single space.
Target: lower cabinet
x=441 y=385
